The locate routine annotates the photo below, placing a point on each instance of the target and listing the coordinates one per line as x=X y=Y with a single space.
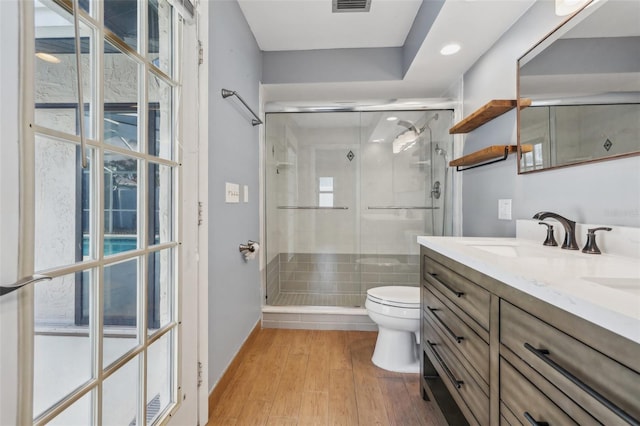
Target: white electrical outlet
x=504 y=209
x=232 y=193
x=246 y=193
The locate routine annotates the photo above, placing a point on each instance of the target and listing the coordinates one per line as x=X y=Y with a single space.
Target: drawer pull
x=543 y=355
x=452 y=290
x=446 y=327
x=533 y=421
x=457 y=383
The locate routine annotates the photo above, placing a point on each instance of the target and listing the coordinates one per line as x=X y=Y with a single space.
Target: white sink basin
x=629 y=285
x=510 y=250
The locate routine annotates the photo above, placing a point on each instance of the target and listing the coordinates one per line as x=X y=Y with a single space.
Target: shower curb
x=317 y=318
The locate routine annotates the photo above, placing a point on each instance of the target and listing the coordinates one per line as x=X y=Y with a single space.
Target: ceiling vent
x=340 y=6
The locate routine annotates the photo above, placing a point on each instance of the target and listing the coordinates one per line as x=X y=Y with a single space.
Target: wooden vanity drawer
x=608 y=390
x=468 y=391
x=460 y=337
x=524 y=404
x=470 y=297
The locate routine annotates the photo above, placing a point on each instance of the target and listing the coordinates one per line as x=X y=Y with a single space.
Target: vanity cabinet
x=455 y=341
x=608 y=388
x=492 y=355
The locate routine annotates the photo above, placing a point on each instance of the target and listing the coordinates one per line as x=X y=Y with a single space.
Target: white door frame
x=194 y=396
x=203 y=208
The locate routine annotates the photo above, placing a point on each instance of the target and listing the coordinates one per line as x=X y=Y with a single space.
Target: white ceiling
x=309 y=24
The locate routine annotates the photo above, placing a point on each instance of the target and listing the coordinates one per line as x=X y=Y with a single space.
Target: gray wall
x=320 y=66
x=606 y=192
x=234 y=285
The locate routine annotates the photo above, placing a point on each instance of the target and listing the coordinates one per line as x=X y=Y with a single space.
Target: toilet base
x=396 y=351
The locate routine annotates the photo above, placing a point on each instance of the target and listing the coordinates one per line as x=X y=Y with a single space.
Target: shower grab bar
x=5 y=289
x=312 y=208
x=401 y=208
x=226 y=93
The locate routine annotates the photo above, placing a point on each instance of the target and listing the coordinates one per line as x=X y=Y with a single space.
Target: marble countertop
x=603 y=289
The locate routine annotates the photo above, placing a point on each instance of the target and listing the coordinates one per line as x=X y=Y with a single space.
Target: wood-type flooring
x=313 y=377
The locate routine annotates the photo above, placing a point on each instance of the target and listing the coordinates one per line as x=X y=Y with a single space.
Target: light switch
x=504 y=209
x=246 y=193
x=232 y=193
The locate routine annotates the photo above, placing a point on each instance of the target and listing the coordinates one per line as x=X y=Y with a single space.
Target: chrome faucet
x=569 y=229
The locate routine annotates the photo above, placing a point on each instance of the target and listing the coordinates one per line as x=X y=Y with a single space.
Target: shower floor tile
x=312 y=299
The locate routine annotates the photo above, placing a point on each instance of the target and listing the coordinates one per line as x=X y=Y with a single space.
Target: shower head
x=409 y=125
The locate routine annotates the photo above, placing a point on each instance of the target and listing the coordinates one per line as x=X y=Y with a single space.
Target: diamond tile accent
x=350 y=155
x=608 y=144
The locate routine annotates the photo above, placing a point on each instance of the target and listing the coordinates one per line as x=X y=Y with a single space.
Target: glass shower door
x=398 y=199
x=312 y=171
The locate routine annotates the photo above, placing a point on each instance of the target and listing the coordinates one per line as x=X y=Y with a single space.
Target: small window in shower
x=325 y=192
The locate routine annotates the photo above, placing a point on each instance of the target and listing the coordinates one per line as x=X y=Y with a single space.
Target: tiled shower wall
x=273 y=278
x=339 y=274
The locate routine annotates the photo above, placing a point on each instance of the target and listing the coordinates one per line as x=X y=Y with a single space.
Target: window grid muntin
x=100 y=35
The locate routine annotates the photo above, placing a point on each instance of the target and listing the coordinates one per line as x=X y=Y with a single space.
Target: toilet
x=396 y=310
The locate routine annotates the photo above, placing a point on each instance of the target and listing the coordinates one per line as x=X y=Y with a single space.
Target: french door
x=99 y=216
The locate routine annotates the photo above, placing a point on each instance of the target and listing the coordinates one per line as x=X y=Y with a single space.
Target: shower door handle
x=311 y=208
x=401 y=208
x=5 y=289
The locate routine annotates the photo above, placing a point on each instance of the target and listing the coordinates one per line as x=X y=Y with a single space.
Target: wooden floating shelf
x=488 y=155
x=487 y=112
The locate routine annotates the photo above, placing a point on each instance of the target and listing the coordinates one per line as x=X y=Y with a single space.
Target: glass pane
x=160 y=34
x=55 y=80
x=160 y=307
x=120 y=294
x=120 y=98
x=325 y=199
x=62 y=346
x=87 y=5
x=160 y=366
x=120 y=203
x=79 y=414
x=120 y=395
x=121 y=17
x=326 y=184
x=310 y=251
x=62 y=204
x=121 y=125
x=160 y=134
x=160 y=203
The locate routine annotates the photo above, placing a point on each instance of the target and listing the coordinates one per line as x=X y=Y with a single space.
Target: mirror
x=583 y=81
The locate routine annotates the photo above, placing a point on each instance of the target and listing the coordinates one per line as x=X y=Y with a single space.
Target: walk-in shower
x=346 y=195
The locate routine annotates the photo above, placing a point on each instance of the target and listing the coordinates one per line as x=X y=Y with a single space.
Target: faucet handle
x=591 y=247
x=550 y=240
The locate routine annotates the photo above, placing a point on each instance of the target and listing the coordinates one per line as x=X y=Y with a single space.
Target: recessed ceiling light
x=450 y=49
x=392 y=118
x=378 y=140
x=48 y=58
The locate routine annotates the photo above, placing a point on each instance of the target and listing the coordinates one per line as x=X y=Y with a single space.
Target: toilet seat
x=395 y=296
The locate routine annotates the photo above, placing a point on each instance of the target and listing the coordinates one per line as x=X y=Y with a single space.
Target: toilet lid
x=400 y=296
